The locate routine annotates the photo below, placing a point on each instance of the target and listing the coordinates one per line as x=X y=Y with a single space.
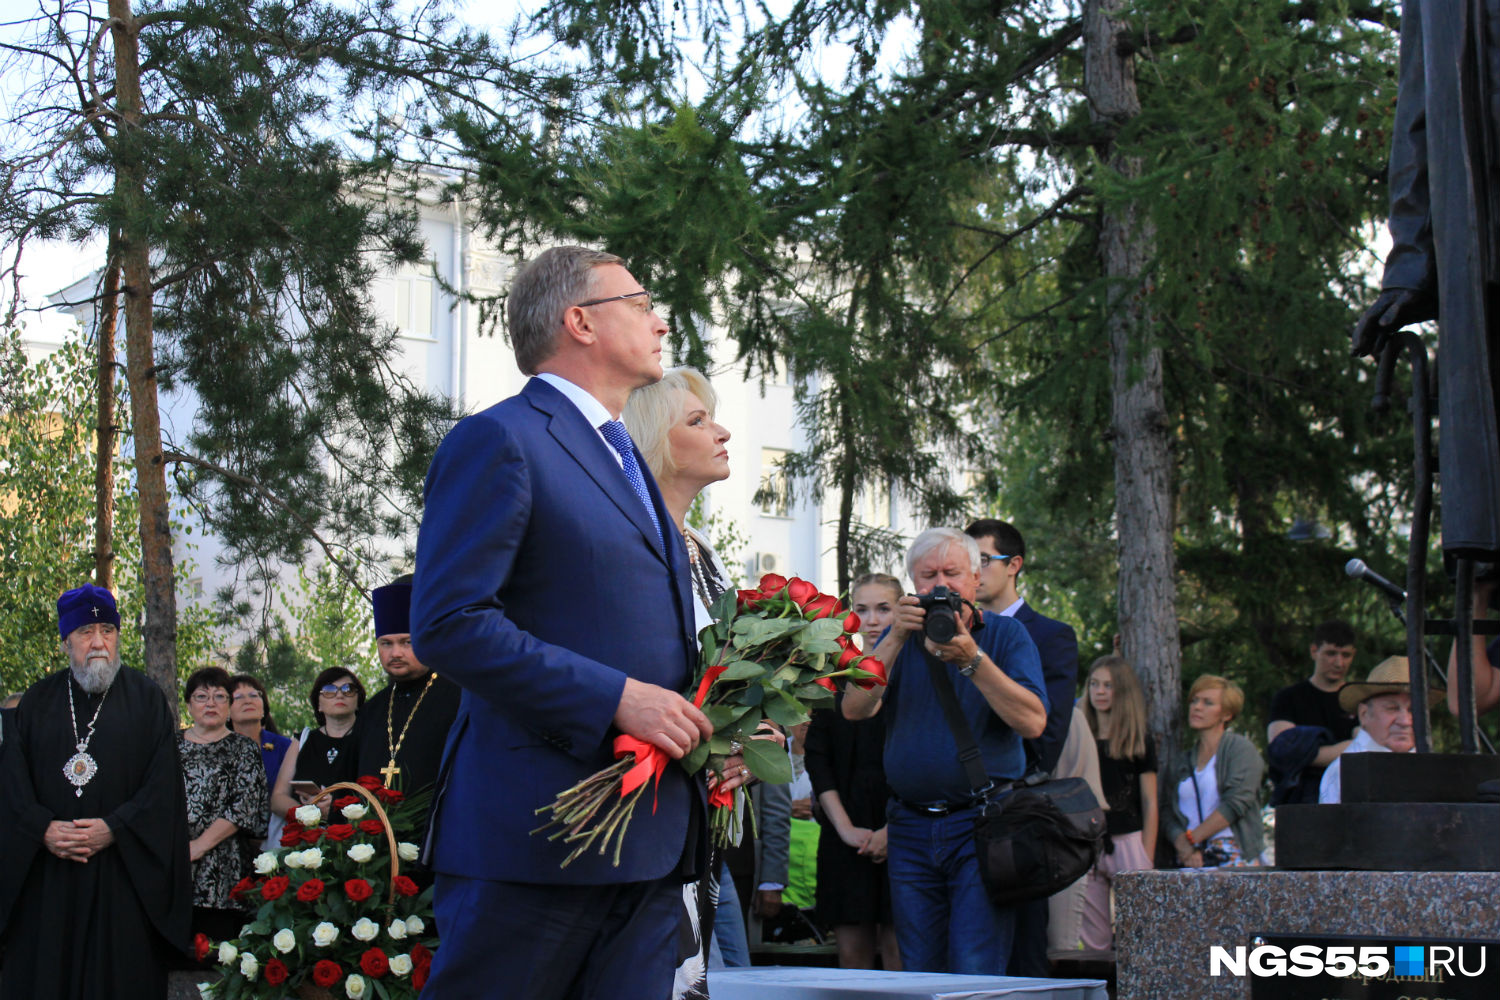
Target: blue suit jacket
x=540 y=586
x=1058 y=644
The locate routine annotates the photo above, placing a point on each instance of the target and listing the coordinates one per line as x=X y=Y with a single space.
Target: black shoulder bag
x=1039 y=839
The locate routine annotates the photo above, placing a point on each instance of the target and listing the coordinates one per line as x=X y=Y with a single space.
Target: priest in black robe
x=404 y=727
x=95 y=884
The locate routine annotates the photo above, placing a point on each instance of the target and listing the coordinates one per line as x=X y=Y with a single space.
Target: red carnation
x=312 y=836
x=241 y=887
x=345 y=800
x=202 y=945
x=326 y=973
x=310 y=890
x=339 y=831
x=851 y=623
x=405 y=886
x=800 y=591
x=275 y=972
x=822 y=606
x=374 y=963
x=874 y=666
x=358 y=890
x=371 y=826
x=370 y=782
x=772 y=584
x=828 y=683
x=275 y=887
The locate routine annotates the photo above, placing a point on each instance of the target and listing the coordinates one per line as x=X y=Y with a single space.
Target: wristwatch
x=968 y=669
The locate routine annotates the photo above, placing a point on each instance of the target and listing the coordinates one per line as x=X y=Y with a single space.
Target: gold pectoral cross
x=389 y=772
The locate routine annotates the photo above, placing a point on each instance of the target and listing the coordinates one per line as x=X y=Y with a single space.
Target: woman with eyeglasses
x=328 y=754
x=225 y=782
x=250 y=715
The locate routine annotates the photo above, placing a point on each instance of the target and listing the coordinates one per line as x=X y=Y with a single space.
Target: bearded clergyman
x=95 y=887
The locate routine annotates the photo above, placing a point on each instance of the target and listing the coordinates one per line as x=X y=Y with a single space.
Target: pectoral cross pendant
x=389 y=772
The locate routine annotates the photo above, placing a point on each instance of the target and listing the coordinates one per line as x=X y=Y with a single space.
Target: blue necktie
x=615 y=433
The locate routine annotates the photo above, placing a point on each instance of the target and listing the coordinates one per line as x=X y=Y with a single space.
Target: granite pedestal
x=1166 y=921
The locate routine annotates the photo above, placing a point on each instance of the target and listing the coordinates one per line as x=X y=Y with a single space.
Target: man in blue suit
x=1002 y=555
x=552 y=586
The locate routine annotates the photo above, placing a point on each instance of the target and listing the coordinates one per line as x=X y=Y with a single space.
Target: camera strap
x=980 y=785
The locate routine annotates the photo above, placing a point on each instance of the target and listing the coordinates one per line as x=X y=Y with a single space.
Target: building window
x=411 y=300
x=775 y=494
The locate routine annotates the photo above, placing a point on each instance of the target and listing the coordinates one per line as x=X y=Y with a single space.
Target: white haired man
x=1382 y=703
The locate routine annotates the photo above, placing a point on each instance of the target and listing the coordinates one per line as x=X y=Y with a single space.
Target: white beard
x=96 y=672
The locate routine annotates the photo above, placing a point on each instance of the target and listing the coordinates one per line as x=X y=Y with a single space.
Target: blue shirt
x=921 y=754
x=273 y=748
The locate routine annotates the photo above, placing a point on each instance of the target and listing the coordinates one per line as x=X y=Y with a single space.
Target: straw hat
x=1392 y=675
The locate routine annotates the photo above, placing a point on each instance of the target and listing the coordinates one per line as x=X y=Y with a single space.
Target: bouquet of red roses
x=775 y=653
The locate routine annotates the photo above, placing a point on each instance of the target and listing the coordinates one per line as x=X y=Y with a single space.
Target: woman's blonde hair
x=1127 y=713
x=1233 y=700
x=653 y=409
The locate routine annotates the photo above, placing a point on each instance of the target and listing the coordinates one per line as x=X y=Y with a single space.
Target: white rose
x=206 y=991
x=284 y=940
x=397 y=930
x=354 y=812
x=248 y=965
x=227 y=953
x=365 y=929
x=312 y=857
x=360 y=853
x=265 y=863
x=408 y=852
x=292 y=859
x=325 y=934
x=414 y=924
x=400 y=965
x=309 y=815
x=354 y=986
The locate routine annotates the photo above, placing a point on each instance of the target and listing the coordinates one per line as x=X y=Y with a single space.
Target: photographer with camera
x=945 y=922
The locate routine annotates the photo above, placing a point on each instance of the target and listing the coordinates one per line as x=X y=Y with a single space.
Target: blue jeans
x=729 y=948
x=944 y=920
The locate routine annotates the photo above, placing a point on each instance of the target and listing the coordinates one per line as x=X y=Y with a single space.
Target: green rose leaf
x=742 y=670
x=720 y=716
x=723 y=609
x=695 y=759
x=751 y=696
x=767 y=761
x=784 y=709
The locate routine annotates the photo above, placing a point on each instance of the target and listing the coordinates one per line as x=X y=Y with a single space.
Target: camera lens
x=941 y=624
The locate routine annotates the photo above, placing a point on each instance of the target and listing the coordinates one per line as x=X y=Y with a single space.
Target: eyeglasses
x=204 y=698
x=344 y=688
x=242 y=695
x=645 y=307
x=985 y=559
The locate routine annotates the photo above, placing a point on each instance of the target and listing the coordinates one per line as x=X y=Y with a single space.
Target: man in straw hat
x=1382 y=703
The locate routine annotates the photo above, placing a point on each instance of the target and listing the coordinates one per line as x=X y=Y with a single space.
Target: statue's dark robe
x=1444 y=191
x=105 y=928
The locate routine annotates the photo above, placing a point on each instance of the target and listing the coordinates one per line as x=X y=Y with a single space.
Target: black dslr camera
x=942 y=606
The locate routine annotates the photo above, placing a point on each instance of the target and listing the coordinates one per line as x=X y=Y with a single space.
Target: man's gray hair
x=937 y=540
x=541 y=292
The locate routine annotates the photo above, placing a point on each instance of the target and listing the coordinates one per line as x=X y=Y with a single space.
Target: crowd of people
x=514 y=658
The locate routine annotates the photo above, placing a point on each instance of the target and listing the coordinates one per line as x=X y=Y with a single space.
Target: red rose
x=310 y=890
x=419 y=977
x=405 y=886
x=746 y=598
x=828 y=683
x=371 y=826
x=772 y=584
x=339 y=831
x=374 y=963
x=345 y=800
x=290 y=837
x=326 y=973
x=358 y=890
x=851 y=623
x=202 y=945
x=241 y=887
x=389 y=795
x=291 y=818
x=312 y=836
x=800 y=591
x=874 y=666
x=370 y=782
x=421 y=958
x=275 y=972
x=822 y=606
x=848 y=656
x=275 y=887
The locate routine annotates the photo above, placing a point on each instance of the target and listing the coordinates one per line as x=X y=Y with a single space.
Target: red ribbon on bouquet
x=649 y=761
x=709 y=676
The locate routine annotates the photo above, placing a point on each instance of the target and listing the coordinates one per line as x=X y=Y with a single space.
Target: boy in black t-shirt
x=1315 y=702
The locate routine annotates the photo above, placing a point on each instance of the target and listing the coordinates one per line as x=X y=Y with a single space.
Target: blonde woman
x=1115 y=708
x=1211 y=806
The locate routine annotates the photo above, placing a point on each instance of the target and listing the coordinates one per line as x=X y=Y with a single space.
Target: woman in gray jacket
x=1211 y=789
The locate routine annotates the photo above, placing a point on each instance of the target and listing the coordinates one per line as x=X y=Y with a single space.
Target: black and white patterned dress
x=225 y=780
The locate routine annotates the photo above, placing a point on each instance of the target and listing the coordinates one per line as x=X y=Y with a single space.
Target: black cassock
x=422 y=750
x=105 y=928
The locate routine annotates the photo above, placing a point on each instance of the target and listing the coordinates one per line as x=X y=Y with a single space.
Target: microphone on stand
x=1357 y=569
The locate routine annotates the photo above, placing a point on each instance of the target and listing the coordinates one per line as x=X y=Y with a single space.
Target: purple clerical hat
x=84 y=606
x=392 y=609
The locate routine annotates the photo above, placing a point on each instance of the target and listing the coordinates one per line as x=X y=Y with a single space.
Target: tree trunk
x=104 y=469
x=1143 y=482
x=160 y=628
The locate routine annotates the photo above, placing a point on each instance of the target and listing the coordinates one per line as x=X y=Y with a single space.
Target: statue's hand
x=1396 y=309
